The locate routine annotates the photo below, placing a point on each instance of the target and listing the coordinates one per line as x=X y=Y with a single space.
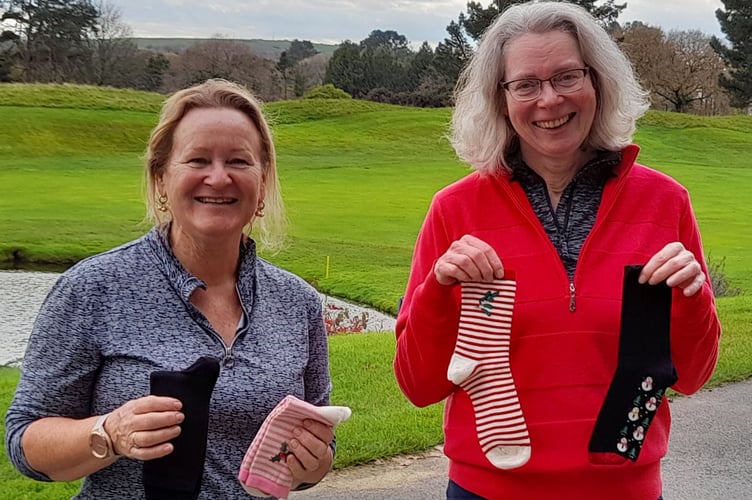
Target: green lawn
x=357 y=178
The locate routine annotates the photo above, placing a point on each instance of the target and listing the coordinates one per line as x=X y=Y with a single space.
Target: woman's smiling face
x=214 y=178
x=553 y=126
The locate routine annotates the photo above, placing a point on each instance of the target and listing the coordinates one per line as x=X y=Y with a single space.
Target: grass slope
x=357 y=178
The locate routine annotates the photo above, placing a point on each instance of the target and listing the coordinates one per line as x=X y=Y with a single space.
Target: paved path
x=710 y=458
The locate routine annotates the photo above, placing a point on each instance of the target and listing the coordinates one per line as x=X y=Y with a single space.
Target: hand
x=141 y=428
x=468 y=259
x=311 y=456
x=678 y=266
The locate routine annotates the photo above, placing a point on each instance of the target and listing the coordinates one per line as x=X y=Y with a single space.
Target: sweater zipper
x=572 y=305
x=229 y=360
x=606 y=205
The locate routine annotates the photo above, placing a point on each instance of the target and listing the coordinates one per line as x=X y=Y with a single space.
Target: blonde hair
x=217 y=93
x=480 y=132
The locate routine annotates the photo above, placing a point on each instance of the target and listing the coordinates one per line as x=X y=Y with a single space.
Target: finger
x=468 y=259
x=152 y=404
x=149 y=439
x=675 y=265
x=308 y=460
x=694 y=286
x=127 y=420
x=321 y=431
x=685 y=275
x=485 y=258
x=449 y=272
x=658 y=260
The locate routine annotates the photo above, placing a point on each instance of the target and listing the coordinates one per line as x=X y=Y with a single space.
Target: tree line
x=86 y=41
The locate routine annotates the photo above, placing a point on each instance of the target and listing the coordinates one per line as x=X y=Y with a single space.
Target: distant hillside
x=270 y=49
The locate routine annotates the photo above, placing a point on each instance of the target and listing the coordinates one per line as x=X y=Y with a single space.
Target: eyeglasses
x=564 y=82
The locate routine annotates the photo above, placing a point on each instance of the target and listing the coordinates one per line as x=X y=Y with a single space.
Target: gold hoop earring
x=260 y=209
x=162 y=202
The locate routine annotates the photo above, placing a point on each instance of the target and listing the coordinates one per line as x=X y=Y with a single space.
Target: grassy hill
x=269 y=49
x=357 y=178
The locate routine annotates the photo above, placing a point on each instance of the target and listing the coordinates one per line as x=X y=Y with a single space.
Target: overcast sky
x=332 y=21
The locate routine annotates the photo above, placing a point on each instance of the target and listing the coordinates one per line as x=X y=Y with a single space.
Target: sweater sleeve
x=695 y=328
x=58 y=370
x=317 y=381
x=428 y=320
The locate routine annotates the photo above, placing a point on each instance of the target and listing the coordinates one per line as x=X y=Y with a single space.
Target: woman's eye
x=239 y=162
x=197 y=162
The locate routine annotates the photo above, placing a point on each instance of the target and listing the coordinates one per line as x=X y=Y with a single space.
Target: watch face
x=99 y=446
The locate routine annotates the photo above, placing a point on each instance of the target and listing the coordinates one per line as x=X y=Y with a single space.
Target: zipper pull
x=571 y=297
x=228 y=360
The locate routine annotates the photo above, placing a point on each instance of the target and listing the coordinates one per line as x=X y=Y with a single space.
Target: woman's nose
x=218 y=173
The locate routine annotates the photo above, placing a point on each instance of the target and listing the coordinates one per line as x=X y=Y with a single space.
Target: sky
x=333 y=21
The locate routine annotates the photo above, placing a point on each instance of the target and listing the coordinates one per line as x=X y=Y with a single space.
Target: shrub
x=337 y=319
x=327 y=91
x=721 y=286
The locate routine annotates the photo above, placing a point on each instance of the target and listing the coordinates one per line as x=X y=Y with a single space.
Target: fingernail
x=294 y=443
x=297 y=432
x=307 y=423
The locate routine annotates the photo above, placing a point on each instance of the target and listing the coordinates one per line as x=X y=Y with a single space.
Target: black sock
x=643 y=373
x=178 y=475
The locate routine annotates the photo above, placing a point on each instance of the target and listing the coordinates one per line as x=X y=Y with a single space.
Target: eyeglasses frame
x=505 y=85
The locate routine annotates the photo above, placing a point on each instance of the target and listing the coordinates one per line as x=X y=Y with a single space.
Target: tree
x=289 y=61
x=454 y=51
x=680 y=68
x=218 y=58
x=345 y=70
x=478 y=18
x=300 y=50
x=309 y=73
x=380 y=61
x=152 y=76
x=52 y=38
x=113 y=51
x=736 y=23
x=452 y=54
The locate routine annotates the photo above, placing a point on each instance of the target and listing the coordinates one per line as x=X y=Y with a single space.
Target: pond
x=24 y=292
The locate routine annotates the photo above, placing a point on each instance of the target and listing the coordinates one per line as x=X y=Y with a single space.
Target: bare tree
x=113 y=52
x=310 y=73
x=680 y=68
x=218 y=58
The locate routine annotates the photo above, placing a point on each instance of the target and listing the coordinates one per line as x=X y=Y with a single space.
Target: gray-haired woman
x=520 y=308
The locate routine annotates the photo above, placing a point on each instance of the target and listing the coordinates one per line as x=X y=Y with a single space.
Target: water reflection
x=23 y=293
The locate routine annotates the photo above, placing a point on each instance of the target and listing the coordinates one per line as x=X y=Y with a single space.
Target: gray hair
x=480 y=132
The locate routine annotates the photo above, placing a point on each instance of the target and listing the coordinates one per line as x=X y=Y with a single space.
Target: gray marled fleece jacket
x=113 y=318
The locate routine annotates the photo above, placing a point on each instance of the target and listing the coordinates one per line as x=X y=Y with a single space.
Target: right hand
x=142 y=428
x=468 y=259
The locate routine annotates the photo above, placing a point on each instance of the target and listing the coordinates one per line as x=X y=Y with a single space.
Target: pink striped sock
x=480 y=365
x=264 y=470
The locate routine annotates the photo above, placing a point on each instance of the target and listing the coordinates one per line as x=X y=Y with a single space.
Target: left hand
x=678 y=266
x=311 y=456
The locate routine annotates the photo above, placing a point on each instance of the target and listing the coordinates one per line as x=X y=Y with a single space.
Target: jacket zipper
x=621 y=179
x=572 y=306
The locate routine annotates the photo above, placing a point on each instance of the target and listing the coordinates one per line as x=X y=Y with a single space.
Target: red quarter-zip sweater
x=565 y=334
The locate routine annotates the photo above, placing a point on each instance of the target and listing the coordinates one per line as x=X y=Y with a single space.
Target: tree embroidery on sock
x=480 y=365
x=486 y=302
x=284 y=451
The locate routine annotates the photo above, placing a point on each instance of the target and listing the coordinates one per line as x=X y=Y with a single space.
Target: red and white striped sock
x=480 y=365
x=264 y=470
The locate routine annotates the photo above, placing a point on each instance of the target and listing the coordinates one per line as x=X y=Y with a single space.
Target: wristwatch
x=99 y=441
